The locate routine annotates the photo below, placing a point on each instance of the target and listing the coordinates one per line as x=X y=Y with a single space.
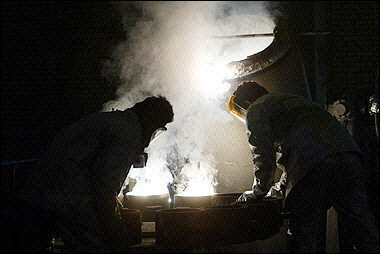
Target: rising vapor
x=169 y=51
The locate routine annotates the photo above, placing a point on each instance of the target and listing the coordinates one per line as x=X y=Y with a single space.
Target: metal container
x=212 y=226
x=131 y=222
x=227 y=225
x=192 y=201
x=266 y=216
x=181 y=227
x=277 y=205
x=146 y=204
x=224 y=199
x=150 y=212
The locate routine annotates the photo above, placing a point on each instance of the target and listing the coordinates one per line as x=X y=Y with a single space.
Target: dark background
x=52 y=55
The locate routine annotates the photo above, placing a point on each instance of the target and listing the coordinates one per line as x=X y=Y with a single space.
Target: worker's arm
x=261 y=141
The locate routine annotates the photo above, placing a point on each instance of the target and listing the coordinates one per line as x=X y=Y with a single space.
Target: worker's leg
x=308 y=208
x=79 y=238
x=349 y=198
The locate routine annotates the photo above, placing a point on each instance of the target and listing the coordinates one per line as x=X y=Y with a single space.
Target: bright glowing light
x=211 y=78
x=146 y=190
x=198 y=187
x=153 y=179
x=201 y=179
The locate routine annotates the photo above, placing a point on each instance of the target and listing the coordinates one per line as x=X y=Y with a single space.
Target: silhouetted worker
x=322 y=165
x=73 y=192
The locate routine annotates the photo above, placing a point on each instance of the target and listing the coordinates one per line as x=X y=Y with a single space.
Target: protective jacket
x=82 y=173
x=297 y=128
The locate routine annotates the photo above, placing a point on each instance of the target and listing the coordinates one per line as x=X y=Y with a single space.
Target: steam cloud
x=170 y=52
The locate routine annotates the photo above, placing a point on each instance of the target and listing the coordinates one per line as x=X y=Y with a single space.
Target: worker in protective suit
x=321 y=161
x=74 y=192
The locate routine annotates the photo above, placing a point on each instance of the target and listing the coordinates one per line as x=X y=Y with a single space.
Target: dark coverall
x=322 y=166
x=73 y=192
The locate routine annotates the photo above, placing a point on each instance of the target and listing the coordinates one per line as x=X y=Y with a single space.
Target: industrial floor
x=275 y=244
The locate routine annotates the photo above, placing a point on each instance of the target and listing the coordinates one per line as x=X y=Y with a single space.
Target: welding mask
x=236 y=110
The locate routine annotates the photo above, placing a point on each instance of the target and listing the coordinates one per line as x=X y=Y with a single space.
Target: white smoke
x=170 y=52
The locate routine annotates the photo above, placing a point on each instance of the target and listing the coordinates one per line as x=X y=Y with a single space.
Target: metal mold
x=224 y=199
x=146 y=204
x=131 y=223
x=218 y=225
x=192 y=201
x=266 y=216
x=184 y=227
x=276 y=205
x=227 y=224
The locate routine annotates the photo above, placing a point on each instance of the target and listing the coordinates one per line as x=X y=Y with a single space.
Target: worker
x=73 y=195
x=321 y=161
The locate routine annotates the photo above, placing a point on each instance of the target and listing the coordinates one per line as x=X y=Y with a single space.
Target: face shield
x=141 y=159
x=236 y=110
x=157 y=133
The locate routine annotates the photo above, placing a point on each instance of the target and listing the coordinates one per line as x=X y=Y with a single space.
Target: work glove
x=276 y=191
x=256 y=194
x=248 y=196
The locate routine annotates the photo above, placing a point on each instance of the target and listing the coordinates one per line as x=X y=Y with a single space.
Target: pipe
x=17 y=162
x=241 y=36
